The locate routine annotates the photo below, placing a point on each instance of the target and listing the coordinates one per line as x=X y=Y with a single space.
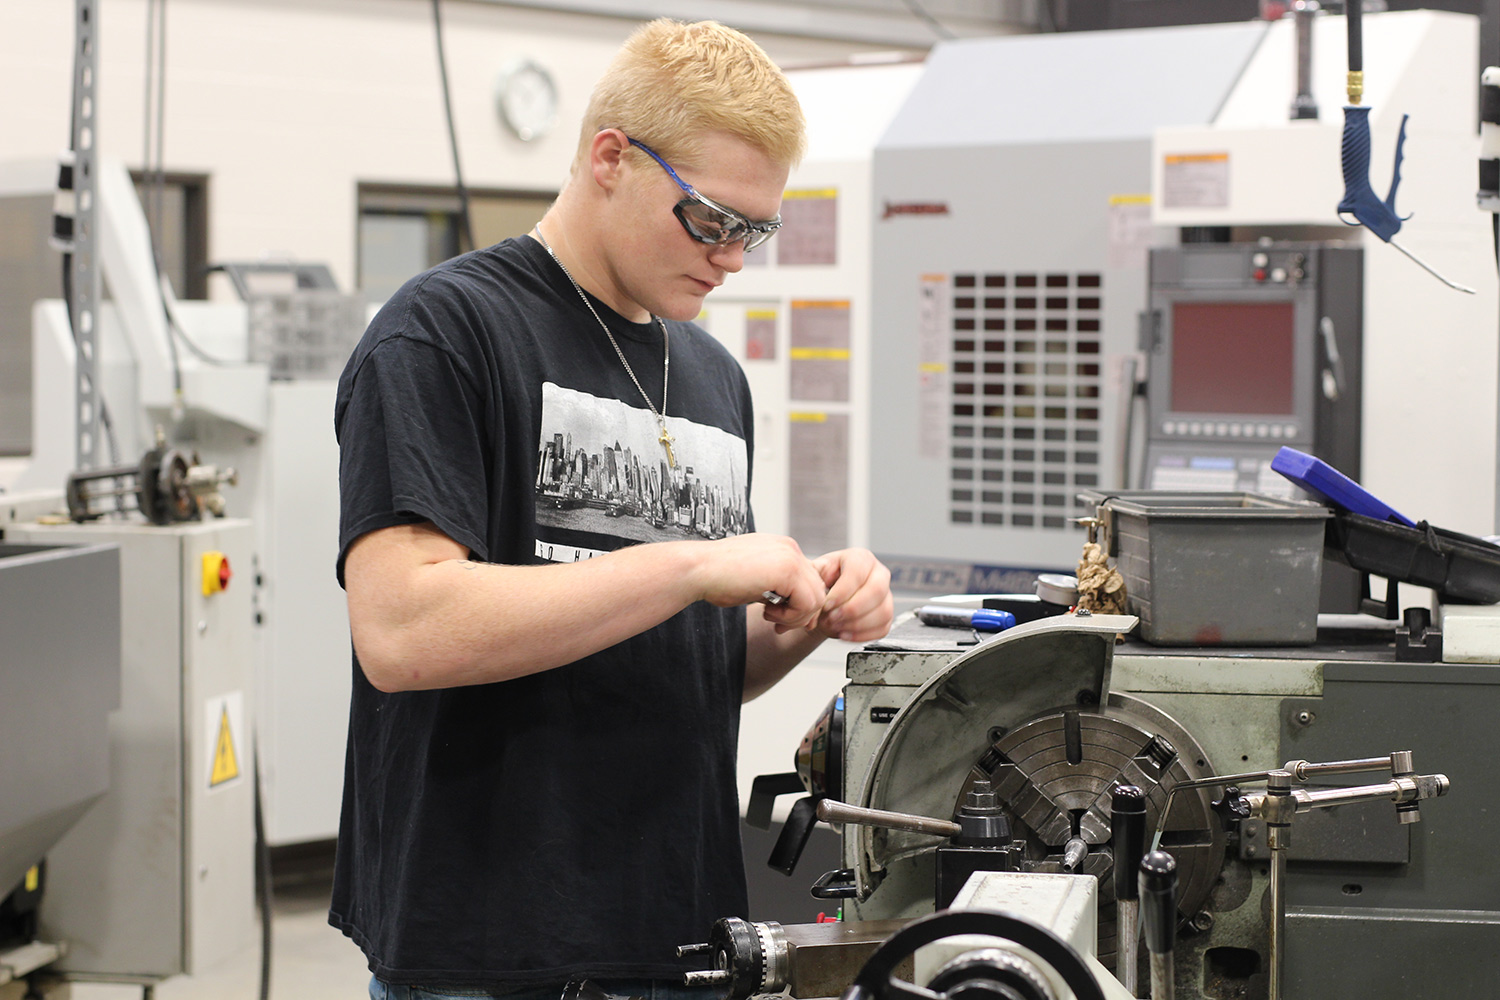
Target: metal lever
x=831 y=811
x=1128 y=839
x=1158 y=887
x=794 y=833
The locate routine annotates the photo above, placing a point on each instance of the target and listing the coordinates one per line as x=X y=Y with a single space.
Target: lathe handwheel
x=876 y=980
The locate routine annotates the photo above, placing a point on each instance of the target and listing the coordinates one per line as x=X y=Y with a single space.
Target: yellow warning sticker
x=224 y=731
x=33 y=878
x=226 y=766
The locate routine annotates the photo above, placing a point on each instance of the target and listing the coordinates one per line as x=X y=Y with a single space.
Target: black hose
x=466 y=230
x=1353 y=12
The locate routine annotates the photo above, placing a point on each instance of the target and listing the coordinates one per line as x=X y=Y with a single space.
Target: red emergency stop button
x=216 y=572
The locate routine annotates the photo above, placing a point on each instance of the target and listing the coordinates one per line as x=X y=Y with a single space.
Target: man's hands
x=858 y=607
x=740 y=569
x=842 y=595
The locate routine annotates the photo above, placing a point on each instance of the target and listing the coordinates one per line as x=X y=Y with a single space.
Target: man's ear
x=607 y=158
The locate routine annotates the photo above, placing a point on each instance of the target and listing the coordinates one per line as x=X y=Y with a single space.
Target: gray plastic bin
x=1217 y=569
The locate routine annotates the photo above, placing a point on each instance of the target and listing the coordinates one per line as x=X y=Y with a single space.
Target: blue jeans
x=646 y=989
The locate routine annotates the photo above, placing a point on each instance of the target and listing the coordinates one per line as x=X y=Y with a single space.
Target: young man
x=556 y=596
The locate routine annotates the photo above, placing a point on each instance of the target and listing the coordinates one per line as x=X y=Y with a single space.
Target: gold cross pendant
x=666 y=443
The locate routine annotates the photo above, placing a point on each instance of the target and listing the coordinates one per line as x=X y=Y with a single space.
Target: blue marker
x=979 y=619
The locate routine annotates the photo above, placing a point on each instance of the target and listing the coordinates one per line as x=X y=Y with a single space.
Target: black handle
x=1159 y=901
x=763 y=792
x=799 y=825
x=1127 y=837
x=837 y=884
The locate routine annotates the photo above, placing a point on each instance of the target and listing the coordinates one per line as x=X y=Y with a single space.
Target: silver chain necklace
x=664 y=438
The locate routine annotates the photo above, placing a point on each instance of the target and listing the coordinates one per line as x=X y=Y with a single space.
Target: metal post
x=1305 y=105
x=85 y=236
x=1281 y=807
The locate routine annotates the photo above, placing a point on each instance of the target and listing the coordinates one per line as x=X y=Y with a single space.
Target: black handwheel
x=876 y=980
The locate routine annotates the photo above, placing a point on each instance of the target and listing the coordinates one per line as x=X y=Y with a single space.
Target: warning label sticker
x=224 y=730
x=1195 y=180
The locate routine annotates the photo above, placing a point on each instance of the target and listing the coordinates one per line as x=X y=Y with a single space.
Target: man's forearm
x=457 y=622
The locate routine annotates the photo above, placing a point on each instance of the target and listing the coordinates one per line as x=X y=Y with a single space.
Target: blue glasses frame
x=719 y=225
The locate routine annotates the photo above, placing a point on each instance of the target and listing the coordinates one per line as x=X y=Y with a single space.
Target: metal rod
x=1424 y=266
x=87 y=400
x=1163 y=976
x=1304 y=106
x=831 y=811
x=1280 y=807
x=1278 y=918
x=1128 y=943
x=708 y=977
x=119 y=491
x=1302 y=769
x=1397 y=790
x=1325 y=797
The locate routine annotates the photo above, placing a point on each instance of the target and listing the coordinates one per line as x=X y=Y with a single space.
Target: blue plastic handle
x=1360 y=200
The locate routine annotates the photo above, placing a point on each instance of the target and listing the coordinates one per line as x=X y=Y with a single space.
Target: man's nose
x=730 y=257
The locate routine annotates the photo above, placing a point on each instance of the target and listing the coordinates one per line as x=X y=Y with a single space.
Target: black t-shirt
x=581 y=821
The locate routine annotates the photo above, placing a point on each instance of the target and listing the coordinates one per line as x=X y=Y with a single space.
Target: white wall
x=288 y=104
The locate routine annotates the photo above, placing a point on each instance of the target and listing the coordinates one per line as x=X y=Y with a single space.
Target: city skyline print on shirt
x=601 y=469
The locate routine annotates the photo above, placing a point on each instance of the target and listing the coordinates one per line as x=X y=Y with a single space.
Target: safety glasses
x=709 y=222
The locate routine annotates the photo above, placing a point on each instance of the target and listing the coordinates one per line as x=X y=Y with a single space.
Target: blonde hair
x=673 y=82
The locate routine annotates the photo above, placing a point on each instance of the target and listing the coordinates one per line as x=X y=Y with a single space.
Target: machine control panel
x=1250 y=347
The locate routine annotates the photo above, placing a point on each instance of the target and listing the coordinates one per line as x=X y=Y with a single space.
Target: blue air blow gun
x=1360 y=200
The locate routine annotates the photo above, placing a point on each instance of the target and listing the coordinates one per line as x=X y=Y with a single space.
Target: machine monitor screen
x=1232 y=357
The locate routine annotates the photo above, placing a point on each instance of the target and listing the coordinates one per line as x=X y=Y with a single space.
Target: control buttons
x=1228 y=429
x=216 y=572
